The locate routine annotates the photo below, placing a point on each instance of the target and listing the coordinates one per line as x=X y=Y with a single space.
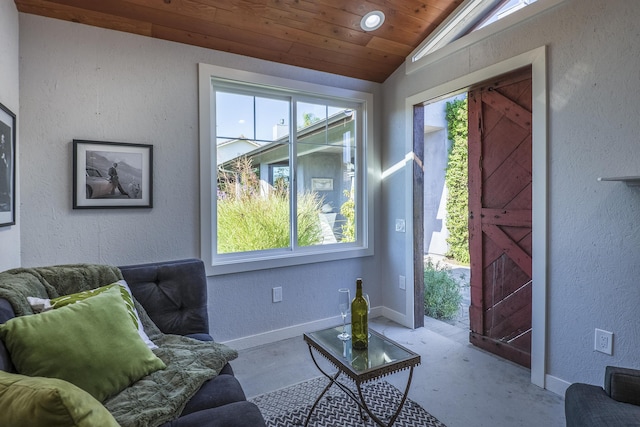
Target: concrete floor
x=456 y=382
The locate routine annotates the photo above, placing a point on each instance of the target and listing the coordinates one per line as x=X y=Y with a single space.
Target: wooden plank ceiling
x=323 y=35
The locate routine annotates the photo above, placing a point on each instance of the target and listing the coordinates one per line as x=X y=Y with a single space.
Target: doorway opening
x=414 y=107
x=446 y=249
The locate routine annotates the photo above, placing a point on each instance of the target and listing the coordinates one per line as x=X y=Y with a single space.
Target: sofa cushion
x=589 y=405
x=624 y=388
x=236 y=414
x=48 y=402
x=174 y=294
x=91 y=344
x=218 y=391
x=622 y=384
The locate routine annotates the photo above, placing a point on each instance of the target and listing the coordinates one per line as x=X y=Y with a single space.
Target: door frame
x=536 y=58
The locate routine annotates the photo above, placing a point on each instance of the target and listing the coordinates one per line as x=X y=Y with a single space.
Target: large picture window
x=285 y=173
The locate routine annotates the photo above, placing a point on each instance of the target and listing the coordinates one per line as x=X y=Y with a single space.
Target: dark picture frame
x=112 y=175
x=7 y=167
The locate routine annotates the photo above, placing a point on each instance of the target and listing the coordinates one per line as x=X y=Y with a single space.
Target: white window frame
x=448 y=31
x=248 y=261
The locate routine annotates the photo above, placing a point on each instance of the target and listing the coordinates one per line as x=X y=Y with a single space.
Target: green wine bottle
x=360 y=359
x=359 y=319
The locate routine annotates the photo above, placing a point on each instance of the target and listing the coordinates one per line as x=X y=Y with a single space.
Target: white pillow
x=141 y=332
x=40 y=305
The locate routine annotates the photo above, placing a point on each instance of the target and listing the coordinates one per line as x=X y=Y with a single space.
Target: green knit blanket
x=156 y=398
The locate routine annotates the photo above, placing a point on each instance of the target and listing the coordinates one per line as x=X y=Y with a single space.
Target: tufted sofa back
x=174 y=294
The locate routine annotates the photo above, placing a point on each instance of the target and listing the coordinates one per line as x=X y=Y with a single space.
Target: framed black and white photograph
x=112 y=175
x=7 y=167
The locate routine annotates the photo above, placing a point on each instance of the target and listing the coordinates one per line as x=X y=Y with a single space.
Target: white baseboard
x=393 y=315
x=556 y=385
x=553 y=384
x=292 y=331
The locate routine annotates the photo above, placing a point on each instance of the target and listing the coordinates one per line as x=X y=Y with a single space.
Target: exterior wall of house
x=324 y=165
x=593 y=88
x=436 y=156
x=234 y=149
x=81 y=82
x=435 y=192
x=9 y=97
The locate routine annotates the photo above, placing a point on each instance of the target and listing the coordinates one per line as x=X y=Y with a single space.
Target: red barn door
x=500 y=161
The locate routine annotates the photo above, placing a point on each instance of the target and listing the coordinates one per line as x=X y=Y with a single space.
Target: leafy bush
x=457 y=180
x=442 y=293
x=348 y=211
x=250 y=219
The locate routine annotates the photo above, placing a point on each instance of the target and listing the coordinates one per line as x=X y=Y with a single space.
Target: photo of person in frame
x=113 y=175
x=6 y=167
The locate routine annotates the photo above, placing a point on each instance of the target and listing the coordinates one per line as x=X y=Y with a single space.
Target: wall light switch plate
x=400 y=226
x=277 y=294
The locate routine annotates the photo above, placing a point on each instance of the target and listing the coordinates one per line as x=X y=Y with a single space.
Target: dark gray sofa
x=174 y=294
x=617 y=404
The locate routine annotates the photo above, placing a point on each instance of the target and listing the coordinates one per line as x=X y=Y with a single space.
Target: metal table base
x=359 y=398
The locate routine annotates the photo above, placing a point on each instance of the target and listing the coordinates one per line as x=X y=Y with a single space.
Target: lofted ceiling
x=322 y=35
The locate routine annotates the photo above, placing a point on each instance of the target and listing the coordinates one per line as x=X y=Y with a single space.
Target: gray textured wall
x=9 y=82
x=80 y=82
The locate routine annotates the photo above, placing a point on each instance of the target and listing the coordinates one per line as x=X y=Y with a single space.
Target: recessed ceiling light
x=372 y=20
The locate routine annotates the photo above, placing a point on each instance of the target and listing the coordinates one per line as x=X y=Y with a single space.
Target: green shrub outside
x=456 y=179
x=442 y=293
x=348 y=211
x=249 y=220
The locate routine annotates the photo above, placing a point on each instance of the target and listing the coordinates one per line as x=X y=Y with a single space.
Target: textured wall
x=594 y=229
x=9 y=97
x=79 y=82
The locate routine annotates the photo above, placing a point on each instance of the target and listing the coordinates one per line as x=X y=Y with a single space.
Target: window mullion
x=255 y=126
x=326 y=125
x=293 y=174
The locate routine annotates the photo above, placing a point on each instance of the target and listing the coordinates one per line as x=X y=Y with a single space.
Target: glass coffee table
x=383 y=357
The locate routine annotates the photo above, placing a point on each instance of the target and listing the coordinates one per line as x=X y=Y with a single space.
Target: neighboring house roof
x=234 y=148
x=279 y=149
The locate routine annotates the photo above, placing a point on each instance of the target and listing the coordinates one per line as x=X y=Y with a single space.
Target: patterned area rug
x=289 y=407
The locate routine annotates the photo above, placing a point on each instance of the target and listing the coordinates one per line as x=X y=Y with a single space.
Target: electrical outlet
x=400 y=225
x=276 y=294
x=402 y=282
x=603 y=341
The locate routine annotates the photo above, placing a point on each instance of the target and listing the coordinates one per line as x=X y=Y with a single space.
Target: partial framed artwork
x=7 y=167
x=112 y=175
x=322 y=184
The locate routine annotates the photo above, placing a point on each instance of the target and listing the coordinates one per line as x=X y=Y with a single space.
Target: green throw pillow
x=91 y=344
x=81 y=296
x=48 y=402
x=40 y=305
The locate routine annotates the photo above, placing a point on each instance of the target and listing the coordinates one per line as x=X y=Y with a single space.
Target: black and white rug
x=289 y=406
